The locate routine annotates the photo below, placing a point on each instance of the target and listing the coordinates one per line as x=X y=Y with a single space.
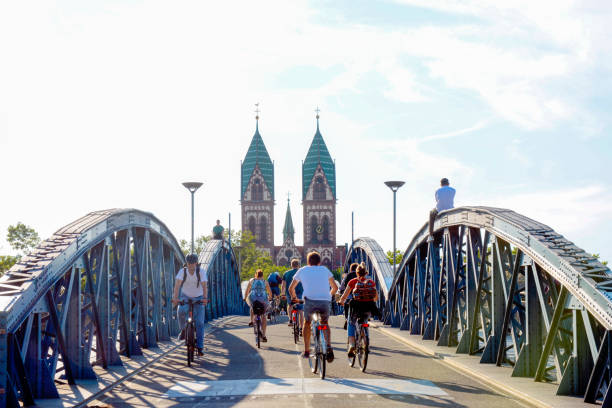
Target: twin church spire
x=318 y=187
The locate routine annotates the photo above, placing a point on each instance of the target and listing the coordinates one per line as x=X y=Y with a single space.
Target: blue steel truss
x=99 y=288
x=507 y=289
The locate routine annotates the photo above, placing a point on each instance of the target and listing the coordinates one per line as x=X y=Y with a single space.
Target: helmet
x=192 y=258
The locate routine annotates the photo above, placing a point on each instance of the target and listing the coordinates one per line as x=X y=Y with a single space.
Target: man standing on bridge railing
x=218 y=231
x=445 y=197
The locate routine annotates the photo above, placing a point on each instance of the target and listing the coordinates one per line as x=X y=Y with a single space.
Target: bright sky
x=115 y=103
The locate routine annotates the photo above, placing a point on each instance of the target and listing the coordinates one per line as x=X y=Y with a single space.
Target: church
x=318 y=203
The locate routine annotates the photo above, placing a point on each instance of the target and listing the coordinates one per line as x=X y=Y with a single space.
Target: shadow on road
x=148 y=388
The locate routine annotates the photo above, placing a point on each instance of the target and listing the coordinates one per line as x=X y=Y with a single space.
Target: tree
x=22 y=238
x=596 y=256
x=198 y=244
x=6 y=261
x=398 y=257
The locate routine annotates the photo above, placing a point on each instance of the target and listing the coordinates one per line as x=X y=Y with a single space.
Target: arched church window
x=257 y=190
x=319 y=188
x=314 y=227
x=252 y=225
x=263 y=229
x=325 y=229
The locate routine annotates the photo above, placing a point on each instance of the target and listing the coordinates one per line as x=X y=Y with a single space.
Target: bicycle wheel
x=190 y=341
x=351 y=360
x=322 y=355
x=296 y=330
x=364 y=348
x=258 y=332
x=315 y=348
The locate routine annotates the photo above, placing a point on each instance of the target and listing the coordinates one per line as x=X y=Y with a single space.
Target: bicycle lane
x=233 y=373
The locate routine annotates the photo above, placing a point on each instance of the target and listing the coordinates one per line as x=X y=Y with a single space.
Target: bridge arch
x=98 y=288
x=495 y=284
x=368 y=251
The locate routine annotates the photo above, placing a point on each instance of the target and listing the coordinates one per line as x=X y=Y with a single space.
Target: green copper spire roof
x=257 y=155
x=318 y=154
x=288 y=231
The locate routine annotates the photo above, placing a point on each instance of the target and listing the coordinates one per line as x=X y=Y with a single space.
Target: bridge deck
x=244 y=377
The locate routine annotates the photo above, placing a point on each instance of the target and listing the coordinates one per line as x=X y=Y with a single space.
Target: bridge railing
x=511 y=291
x=99 y=288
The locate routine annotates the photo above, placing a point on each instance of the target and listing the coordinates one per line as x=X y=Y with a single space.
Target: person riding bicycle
x=352 y=274
x=319 y=287
x=192 y=283
x=363 y=304
x=299 y=290
x=275 y=280
x=258 y=296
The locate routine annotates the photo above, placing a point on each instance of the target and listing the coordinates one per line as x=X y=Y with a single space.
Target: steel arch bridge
x=99 y=288
x=508 y=290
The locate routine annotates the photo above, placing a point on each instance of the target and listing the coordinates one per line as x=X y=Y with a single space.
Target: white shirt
x=190 y=287
x=315 y=281
x=444 y=198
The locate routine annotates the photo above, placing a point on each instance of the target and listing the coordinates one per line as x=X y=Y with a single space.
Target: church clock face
x=319 y=229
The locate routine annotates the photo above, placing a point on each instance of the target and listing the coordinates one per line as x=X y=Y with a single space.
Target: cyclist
x=258 y=294
x=363 y=304
x=319 y=287
x=352 y=274
x=287 y=279
x=274 y=280
x=192 y=283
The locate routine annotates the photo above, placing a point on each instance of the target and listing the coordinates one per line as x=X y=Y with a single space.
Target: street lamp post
x=394 y=186
x=192 y=186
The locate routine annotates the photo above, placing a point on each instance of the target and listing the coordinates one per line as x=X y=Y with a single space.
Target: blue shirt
x=444 y=198
x=288 y=278
x=274 y=279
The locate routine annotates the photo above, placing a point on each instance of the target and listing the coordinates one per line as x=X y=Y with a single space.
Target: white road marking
x=276 y=386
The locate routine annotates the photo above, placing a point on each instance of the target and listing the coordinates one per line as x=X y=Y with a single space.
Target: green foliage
x=22 y=238
x=250 y=257
x=338 y=273
x=596 y=256
x=6 y=261
x=199 y=243
x=398 y=257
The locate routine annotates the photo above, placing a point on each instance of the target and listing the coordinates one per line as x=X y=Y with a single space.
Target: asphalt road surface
x=234 y=373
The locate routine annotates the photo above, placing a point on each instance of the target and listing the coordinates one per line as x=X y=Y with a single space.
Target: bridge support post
x=601 y=374
x=3 y=360
x=527 y=361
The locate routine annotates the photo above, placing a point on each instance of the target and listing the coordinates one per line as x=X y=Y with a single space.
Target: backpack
x=365 y=291
x=185 y=277
x=274 y=279
x=258 y=290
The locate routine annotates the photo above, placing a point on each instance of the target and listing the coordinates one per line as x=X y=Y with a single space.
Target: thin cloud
x=478 y=126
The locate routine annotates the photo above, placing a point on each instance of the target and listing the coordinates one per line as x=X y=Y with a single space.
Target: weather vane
x=257 y=111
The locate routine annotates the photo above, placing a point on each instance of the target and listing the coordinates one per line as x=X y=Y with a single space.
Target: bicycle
x=258 y=311
x=295 y=320
x=190 y=330
x=273 y=310
x=318 y=360
x=362 y=343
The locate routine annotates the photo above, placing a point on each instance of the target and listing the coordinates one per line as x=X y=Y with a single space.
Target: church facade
x=318 y=203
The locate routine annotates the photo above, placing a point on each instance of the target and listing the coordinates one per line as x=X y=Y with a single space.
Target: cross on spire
x=257 y=111
x=288 y=195
x=317 y=111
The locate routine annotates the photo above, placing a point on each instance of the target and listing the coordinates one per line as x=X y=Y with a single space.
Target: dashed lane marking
x=276 y=386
